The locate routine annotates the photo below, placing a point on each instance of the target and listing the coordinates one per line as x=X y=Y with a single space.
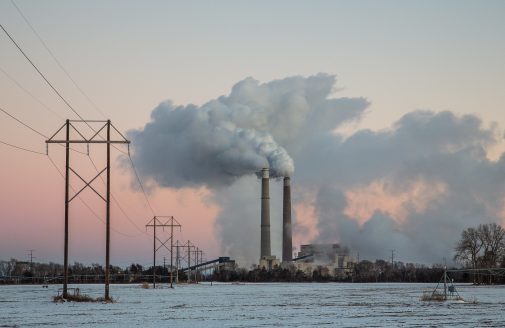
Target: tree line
x=22 y=272
x=363 y=272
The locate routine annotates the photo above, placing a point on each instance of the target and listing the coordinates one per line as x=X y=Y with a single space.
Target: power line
x=41 y=134
x=72 y=109
x=86 y=204
x=31 y=94
x=56 y=167
x=140 y=184
x=22 y=123
x=57 y=61
x=63 y=176
x=21 y=148
x=47 y=81
x=33 y=129
x=40 y=73
x=116 y=201
x=51 y=85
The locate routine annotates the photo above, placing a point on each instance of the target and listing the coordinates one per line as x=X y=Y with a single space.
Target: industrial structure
x=96 y=138
x=265 y=213
x=332 y=257
x=287 y=241
x=267 y=260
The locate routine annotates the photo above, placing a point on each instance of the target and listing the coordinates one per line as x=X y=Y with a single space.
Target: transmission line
x=86 y=204
x=51 y=85
x=56 y=60
x=140 y=184
x=22 y=148
x=40 y=73
x=116 y=201
x=31 y=94
x=22 y=123
x=33 y=129
x=75 y=112
x=63 y=176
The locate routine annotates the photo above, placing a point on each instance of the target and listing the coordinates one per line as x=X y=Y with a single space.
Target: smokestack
x=287 y=242
x=265 y=213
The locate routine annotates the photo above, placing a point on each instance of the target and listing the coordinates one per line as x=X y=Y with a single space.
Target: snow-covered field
x=253 y=305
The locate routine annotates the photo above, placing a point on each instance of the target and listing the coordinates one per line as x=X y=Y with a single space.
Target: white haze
x=224 y=142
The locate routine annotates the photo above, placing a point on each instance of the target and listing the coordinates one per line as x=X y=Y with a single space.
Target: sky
x=130 y=56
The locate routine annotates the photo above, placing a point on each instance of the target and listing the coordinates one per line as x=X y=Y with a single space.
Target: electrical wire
x=79 y=197
x=36 y=152
x=69 y=105
x=34 y=130
x=86 y=204
x=22 y=123
x=117 y=202
x=141 y=186
x=52 y=86
x=56 y=60
x=31 y=95
x=40 y=73
x=22 y=148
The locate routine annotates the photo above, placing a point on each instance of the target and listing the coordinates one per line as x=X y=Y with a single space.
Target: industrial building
x=334 y=257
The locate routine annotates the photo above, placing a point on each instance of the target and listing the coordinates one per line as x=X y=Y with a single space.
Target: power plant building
x=332 y=256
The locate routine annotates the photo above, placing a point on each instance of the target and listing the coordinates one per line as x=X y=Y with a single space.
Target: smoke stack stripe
x=265 y=214
x=287 y=242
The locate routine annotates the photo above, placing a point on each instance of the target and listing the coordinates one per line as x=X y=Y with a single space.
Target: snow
x=253 y=305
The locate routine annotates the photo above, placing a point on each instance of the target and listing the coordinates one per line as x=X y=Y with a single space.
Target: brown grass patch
x=439 y=297
x=81 y=298
x=433 y=297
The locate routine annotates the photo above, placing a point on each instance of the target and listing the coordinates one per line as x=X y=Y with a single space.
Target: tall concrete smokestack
x=287 y=242
x=265 y=213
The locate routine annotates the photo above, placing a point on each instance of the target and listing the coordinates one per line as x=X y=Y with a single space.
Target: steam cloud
x=293 y=120
x=213 y=144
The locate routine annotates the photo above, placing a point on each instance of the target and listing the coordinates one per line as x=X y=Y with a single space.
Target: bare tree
x=492 y=237
x=468 y=248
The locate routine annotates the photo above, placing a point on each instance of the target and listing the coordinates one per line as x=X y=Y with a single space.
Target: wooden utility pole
x=155 y=222
x=96 y=138
x=177 y=262
x=31 y=259
x=188 y=247
x=172 y=225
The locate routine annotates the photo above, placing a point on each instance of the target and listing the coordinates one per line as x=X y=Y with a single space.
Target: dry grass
x=73 y=298
x=439 y=297
x=432 y=297
x=81 y=298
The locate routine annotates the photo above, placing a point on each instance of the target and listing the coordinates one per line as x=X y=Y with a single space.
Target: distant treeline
x=17 y=272
x=363 y=272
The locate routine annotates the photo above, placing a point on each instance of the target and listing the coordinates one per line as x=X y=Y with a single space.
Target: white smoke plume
x=412 y=187
x=194 y=146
